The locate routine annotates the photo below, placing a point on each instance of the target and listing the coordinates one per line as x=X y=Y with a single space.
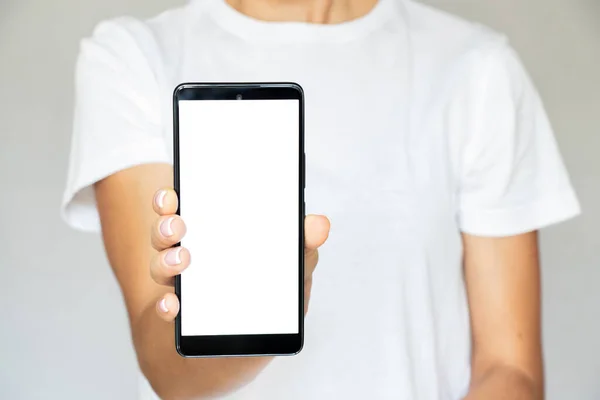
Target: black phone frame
x=242 y=345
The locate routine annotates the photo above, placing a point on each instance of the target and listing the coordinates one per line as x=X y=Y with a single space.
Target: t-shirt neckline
x=251 y=29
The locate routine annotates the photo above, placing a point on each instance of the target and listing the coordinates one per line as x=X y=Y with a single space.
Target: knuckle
x=156 y=267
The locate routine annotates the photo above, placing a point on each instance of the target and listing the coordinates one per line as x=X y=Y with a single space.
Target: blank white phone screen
x=239 y=191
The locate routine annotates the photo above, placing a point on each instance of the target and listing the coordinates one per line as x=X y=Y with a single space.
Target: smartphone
x=239 y=174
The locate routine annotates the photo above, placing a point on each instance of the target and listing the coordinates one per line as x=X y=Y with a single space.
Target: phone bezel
x=242 y=345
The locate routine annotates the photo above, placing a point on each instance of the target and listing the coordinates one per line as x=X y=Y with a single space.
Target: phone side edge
x=177 y=189
x=302 y=211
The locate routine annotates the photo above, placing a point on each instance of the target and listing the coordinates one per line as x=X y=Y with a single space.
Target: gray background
x=63 y=332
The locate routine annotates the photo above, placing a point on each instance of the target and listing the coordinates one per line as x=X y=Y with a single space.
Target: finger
x=167 y=231
x=167 y=307
x=168 y=263
x=311 y=259
x=316 y=231
x=316 y=228
x=165 y=202
x=307 y=290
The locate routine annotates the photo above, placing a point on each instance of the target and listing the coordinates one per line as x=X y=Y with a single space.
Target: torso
x=389 y=315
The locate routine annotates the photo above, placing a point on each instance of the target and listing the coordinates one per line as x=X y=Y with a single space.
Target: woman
x=428 y=149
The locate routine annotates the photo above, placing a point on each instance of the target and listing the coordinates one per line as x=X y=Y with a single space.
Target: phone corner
x=178 y=337
x=299 y=348
x=180 y=350
x=295 y=86
x=178 y=89
x=297 y=352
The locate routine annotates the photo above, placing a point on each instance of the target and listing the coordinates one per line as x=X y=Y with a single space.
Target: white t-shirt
x=419 y=125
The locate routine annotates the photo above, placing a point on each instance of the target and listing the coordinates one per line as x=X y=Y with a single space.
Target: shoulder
x=447 y=46
x=439 y=32
x=142 y=28
x=131 y=38
x=454 y=57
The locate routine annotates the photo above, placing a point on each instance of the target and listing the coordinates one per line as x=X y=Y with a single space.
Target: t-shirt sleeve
x=512 y=178
x=117 y=120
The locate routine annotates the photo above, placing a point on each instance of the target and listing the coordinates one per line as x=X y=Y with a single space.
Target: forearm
x=500 y=382
x=176 y=378
x=124 y=205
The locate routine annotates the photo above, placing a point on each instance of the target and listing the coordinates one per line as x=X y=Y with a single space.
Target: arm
x=126 y=211
x=503 y=284
x=125 y=207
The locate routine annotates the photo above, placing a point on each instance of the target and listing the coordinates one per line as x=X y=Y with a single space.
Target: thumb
x=316 y=231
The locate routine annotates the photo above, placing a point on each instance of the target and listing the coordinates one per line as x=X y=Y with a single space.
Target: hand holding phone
x=169 y=229
x=239 y=167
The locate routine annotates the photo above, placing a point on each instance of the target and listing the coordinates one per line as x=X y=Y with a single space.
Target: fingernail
x=162 y=306
x=172 y=257
x=159 y=198
x=165 y=227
